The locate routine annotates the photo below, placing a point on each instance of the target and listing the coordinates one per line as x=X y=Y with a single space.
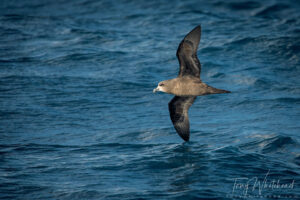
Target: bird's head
x=163 y=86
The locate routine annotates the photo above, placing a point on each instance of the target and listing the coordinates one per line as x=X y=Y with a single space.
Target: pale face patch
x=160 y=87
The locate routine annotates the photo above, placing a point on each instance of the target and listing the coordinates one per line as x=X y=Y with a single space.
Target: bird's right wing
x=187 y=54
x=178 y=108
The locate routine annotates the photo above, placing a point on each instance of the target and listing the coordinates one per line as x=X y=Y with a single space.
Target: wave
x=238 y=6
x=270 y=143
x=278 y=144
x=272 y=10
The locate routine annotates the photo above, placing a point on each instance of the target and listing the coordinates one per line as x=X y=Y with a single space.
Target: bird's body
x=188 y=85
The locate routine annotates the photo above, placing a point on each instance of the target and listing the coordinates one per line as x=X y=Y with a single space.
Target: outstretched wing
x=187 y=54
x=178 y=108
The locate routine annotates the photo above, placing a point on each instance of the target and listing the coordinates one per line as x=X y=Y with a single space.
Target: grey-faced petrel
x=188 y=85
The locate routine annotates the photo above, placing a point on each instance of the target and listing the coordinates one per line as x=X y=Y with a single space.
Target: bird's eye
x=161 y=84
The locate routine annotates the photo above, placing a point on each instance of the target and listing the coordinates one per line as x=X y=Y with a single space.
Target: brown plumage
x=188 y=85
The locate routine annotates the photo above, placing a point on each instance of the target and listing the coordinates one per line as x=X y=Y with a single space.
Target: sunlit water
x=78 y=119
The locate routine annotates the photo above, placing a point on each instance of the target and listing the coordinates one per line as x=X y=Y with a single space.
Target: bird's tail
x=212 y=90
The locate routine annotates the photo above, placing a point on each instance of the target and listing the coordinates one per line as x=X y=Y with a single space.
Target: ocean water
x=78 y=119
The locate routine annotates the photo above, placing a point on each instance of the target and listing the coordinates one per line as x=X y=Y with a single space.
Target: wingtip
x=186 y=139
x=197 y=28
x=194 y=36
x=184 y=134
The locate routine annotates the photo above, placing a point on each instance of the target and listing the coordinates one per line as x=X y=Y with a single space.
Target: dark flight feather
x=178 y=108
x=187 y=54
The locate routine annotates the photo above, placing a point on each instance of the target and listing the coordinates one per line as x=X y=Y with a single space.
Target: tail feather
x=213 y=90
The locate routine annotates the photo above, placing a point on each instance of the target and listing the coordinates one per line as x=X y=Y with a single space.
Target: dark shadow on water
x=191 y=167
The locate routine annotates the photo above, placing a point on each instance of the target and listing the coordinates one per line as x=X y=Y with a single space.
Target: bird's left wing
x=178 y=108
x=187 y=54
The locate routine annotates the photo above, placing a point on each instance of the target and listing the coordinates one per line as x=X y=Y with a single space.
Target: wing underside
x=178 y=108
x=187 y=54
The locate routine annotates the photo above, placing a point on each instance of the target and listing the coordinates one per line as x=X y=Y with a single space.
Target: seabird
x=188 y=85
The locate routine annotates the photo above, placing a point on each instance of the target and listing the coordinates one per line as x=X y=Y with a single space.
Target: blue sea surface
x=78 y=119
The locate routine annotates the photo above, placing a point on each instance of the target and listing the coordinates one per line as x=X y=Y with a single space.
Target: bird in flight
x=188 y=85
